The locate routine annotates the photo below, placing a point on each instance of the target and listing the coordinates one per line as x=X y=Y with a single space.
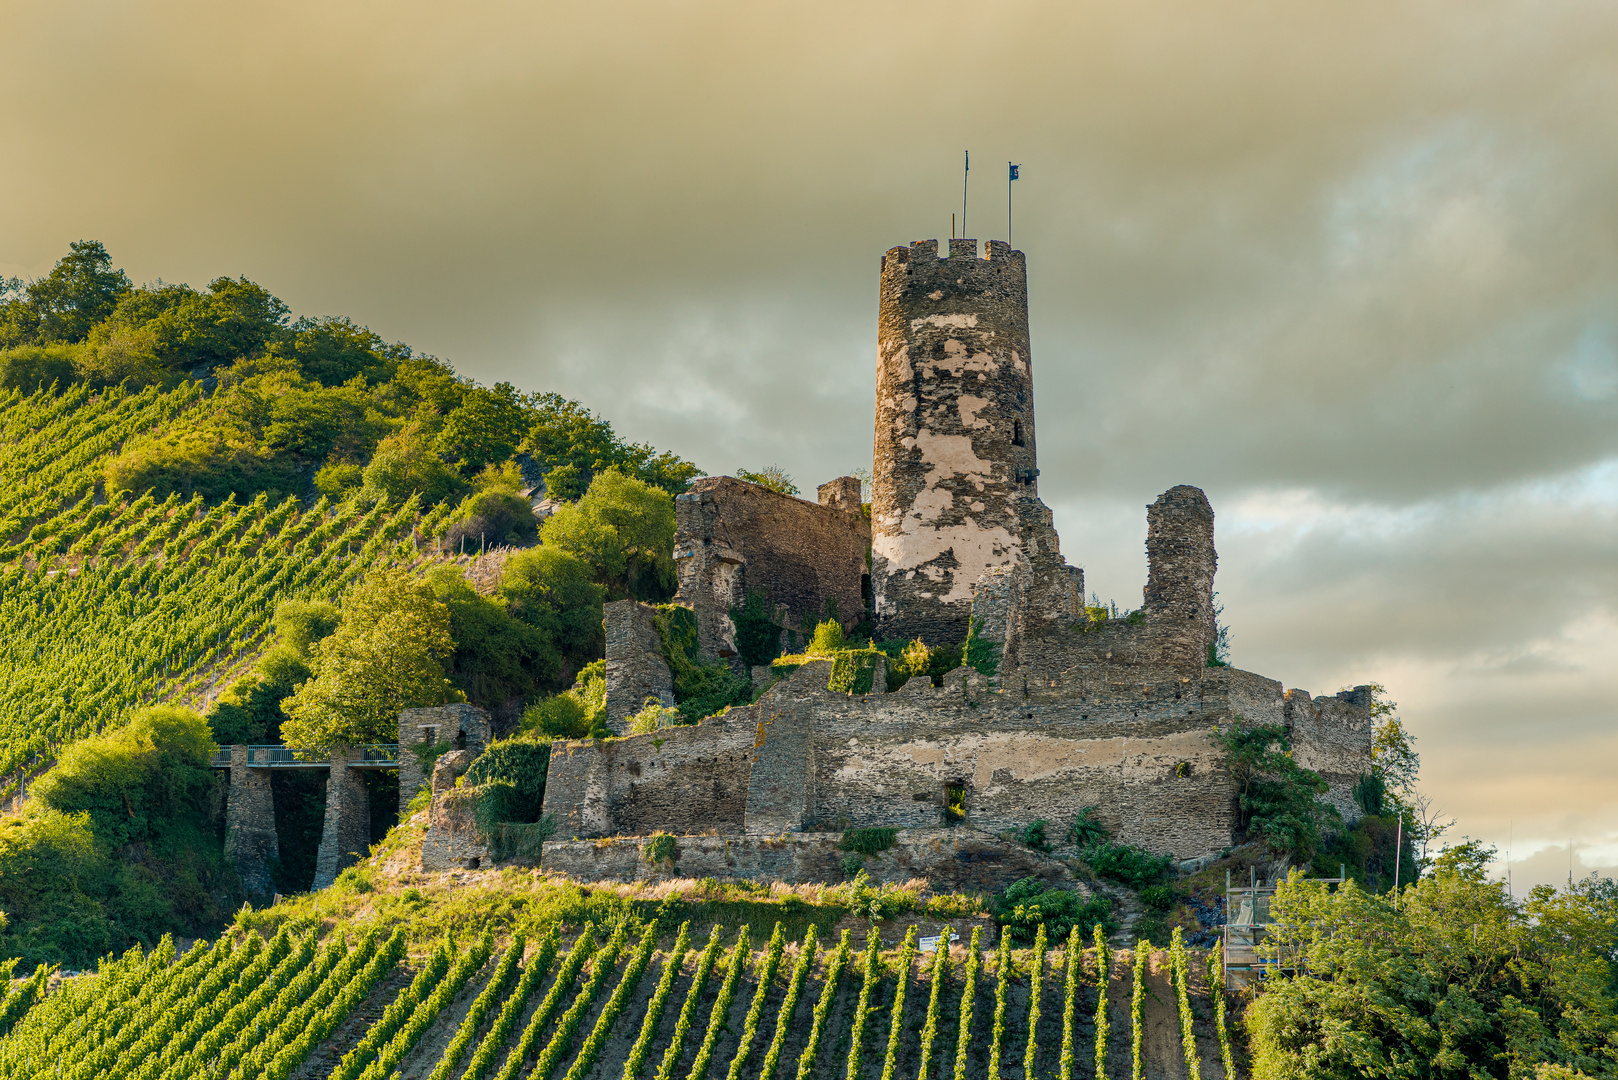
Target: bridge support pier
x=250 y=839
x=346 y=837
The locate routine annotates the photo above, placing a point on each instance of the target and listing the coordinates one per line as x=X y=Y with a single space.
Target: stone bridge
x=250 y=833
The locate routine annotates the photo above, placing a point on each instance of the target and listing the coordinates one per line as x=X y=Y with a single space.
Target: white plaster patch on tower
x=970 y=406
x=954 y=322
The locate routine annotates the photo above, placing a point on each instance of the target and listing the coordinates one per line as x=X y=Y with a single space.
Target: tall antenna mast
x=966 y=172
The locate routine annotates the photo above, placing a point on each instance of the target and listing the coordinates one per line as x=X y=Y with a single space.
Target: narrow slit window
x=954 y=802
x=1016 y=433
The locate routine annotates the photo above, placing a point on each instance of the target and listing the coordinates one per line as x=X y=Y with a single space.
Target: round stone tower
x=954 y=452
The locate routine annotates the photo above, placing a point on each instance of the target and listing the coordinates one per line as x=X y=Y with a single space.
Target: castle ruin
x=1070 y=711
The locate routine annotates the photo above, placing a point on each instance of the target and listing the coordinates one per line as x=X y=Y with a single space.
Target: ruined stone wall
x=1332 y=736
x=680 y=779
x=451 y=840
x=1049 y=650
x=732 y=536
x=464 y=727
x=636 y=669
x=955 y=446
x=949 y=860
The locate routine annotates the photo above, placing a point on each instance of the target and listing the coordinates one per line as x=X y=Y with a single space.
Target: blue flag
x=1014 y=169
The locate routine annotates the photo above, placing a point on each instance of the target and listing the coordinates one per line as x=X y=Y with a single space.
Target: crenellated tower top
x=955 y=456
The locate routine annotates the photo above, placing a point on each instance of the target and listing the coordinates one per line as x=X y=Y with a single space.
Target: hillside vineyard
x=608 y=1003
x=108 y=605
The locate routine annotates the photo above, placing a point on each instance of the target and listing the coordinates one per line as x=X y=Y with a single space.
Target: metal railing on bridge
x=262 y=756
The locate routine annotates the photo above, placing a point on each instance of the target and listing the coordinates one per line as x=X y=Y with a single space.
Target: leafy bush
x=1277 y=800
x=701 y=687
x=487 y=518
x=772 y=477
x=1465 y=979
x=579 y=713
x=1033 y=836
x=914 y=659
x=1029 y=904
x=853 y=671
x=828 y=639
x=1158 y=897
x=1128 y=865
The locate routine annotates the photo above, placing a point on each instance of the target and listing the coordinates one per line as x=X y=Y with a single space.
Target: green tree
x=333 y=350
x=1276 y=799
x=555 y=592
x=498 y=657
x=1458 y=980
x=485 y=428
x=387 y=654
x=80 y=291
x=406 y=463
x=33 y=367
x=624 y=528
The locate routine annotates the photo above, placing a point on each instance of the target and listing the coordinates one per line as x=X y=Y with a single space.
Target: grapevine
x=568 y=1026
x=969 y=989
x=682 y=1026
x=659 y=1002
x=427 y=1010
x=789 y=1005
x=500 y=982
x=1003 y=971
x=483 y=1059
x=721 y=1007
x=394 y=1016
x=1103 y=979
x=828 y=993
x=615 y=1005
x=929 y=1031
x=1070 y=1000
x=1179 y=966
x=582 y=950
x=1036 y=978
x=1137 y=1000
x=766 y=975
x=907 y=956
x=871 y=973
x=1216 y=989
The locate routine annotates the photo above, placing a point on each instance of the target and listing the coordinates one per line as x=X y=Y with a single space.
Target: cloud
x=1351 y=268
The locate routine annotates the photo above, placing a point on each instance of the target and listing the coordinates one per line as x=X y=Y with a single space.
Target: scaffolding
x=1247 y=922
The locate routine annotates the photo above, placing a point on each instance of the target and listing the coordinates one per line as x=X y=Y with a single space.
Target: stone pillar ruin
x=464 y=727
x=955 y=448
x=636 y=669
x=250 y=838
x=346 y=837
x=1180 y=572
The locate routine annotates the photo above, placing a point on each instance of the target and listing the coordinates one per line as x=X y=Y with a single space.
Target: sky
x=1352 y=269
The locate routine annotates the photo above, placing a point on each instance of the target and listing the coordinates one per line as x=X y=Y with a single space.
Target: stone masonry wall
x=686 y=779
x=636 y=669
x=732 y=536
x=463 y=726
x=805 y=757
x=954 y=446
x=451 y=841
x=1332 y=736
x=949 y=860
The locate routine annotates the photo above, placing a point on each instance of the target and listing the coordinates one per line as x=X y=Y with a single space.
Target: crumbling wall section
x=451 y=841
x=1332 y=736
x=949 y=860
x=732 y=536
x=464 y=727
x=686 y=779
x=636 y=668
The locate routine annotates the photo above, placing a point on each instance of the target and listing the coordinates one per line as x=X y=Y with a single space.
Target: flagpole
x=965 y=175
x=1008 y=204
